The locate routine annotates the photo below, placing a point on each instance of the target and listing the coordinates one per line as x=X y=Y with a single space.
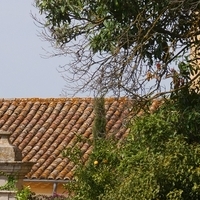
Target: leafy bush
x=11 y=182
x=160 y=158
x=172 y=172
x=25 y=194
x=98 y=175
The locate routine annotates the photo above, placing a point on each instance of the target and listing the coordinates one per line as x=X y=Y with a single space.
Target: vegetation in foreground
x=160 y=158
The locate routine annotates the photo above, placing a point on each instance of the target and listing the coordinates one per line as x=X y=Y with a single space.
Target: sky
x=24 y=73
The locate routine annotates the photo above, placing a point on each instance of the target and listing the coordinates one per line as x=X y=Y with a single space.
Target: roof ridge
x=59 y=98
x=42 y=99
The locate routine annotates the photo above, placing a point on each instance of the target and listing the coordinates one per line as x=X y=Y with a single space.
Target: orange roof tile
x=42 y=128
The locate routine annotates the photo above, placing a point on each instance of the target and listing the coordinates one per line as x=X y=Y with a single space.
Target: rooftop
x=43 y=128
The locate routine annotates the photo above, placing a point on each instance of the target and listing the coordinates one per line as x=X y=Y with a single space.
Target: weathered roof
x=43 y=128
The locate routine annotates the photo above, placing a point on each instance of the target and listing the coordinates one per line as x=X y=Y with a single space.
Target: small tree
x=99 y=125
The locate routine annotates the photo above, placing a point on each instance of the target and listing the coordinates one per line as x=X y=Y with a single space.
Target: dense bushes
x=98 y=175
x=160 y=159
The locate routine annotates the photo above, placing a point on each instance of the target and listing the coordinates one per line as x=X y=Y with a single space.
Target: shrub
x=98 y=175
x=160 y=158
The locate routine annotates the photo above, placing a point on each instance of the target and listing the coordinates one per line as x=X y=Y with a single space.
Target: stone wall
x=11 y=168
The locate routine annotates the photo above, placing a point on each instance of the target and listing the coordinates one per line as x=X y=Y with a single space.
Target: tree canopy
x=124 y=47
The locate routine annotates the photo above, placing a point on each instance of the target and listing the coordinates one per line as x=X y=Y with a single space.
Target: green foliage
x=118 y=23
x=161 y=155
x=167 y=173
x=99 y=125
x=11 y=182
x=24 y=194
x=98 y=175
x=117 y=43
x=27 y=194
x=160 y=158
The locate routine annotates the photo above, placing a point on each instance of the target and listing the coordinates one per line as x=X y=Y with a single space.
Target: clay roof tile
x=43 y=128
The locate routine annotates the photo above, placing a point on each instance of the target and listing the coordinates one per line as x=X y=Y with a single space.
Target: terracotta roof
x=42 y=128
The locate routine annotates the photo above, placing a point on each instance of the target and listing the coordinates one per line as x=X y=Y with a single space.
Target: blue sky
x=23 y=72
